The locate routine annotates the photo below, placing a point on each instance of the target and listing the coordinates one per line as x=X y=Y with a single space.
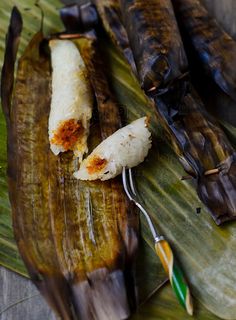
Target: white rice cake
x=72 y=100
x=127 y=147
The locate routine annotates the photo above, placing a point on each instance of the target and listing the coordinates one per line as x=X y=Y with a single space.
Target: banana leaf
x=163 y=306
x=205 y=251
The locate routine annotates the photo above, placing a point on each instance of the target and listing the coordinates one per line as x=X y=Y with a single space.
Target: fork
x=162 y=247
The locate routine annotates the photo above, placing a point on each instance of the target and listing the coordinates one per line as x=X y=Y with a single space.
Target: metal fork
x=162 y=247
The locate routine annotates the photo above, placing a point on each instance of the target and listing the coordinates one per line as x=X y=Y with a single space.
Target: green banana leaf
x=163 y=306
x=205 y=251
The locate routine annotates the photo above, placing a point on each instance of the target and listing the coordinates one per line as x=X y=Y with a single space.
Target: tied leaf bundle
x=196 y=137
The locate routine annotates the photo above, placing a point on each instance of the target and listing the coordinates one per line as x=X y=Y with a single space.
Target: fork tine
x=125 y=184
x=132 y=184
x=132 y=194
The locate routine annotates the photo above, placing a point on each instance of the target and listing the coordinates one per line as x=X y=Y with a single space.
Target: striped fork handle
x=175 y=274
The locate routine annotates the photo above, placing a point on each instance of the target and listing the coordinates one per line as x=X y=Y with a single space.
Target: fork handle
x=175 y=274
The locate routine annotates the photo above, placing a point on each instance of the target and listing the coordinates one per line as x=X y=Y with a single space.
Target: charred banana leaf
x=86 y=17
x=214 y=47
x=201 y=146
x=196 y=137
x=155 y=41
x=109 y=12
x=108 y=109
x=77 y=239
x=77 y=17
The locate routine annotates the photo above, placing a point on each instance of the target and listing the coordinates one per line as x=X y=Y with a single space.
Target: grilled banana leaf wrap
x=214 y=47
x=78 y=239
x=79 y=17
x=155 y=41
x=106 y=13
x=196 y=137
x=201 y=146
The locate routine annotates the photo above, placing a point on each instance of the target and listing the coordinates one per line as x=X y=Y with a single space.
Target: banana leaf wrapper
x=213 y=46
x=82 y=17
x=217 y=102
x=196 y=137
x=77 y=17
x=110 y=14
x=107 y=106
x=201 y=145
x=155 y=41
x=77 y=239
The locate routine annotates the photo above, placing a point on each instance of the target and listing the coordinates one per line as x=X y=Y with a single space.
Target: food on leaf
x=78 y=239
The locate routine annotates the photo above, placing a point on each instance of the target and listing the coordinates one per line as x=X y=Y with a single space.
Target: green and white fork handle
x=170 y=265
x=174 y=272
